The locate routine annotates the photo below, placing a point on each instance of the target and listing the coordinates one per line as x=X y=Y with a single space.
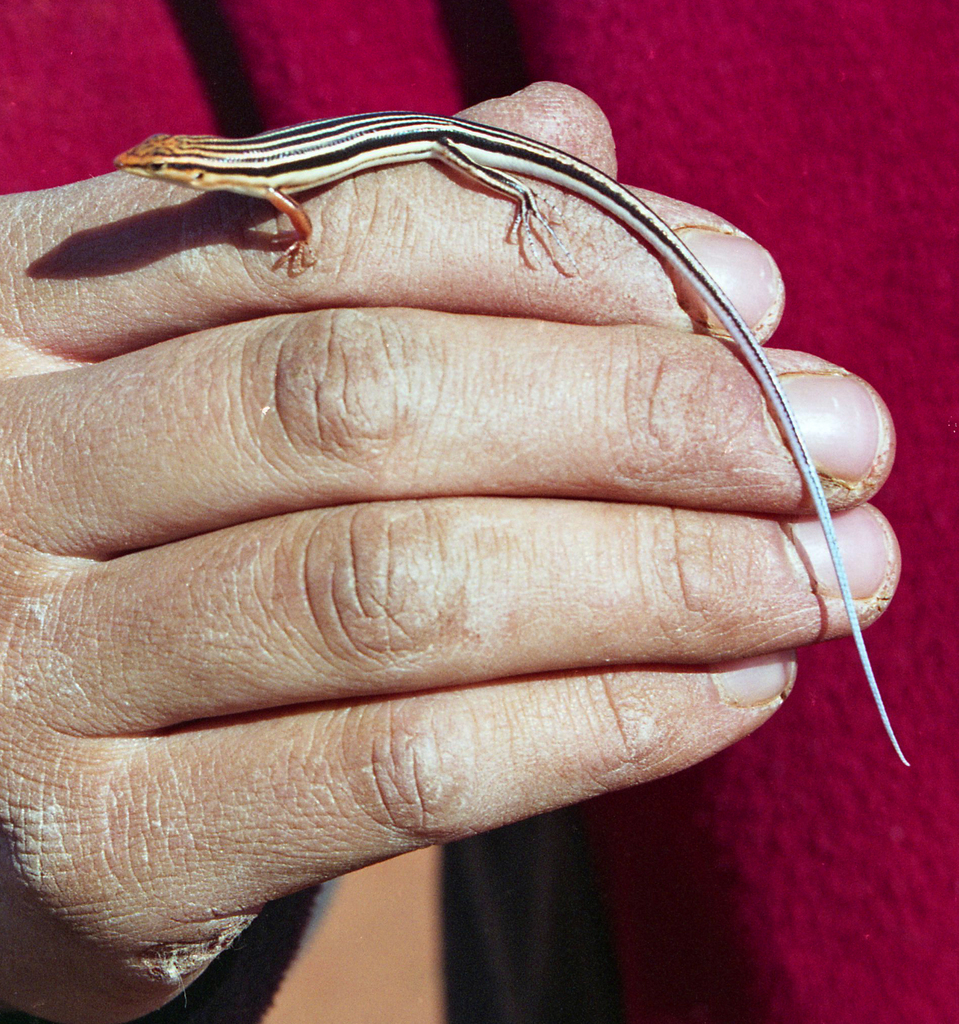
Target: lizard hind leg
x=528 y=212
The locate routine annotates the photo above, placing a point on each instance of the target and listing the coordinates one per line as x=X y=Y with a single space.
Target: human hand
x=300 y=574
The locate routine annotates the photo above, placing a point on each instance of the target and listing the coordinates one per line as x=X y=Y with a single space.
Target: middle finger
x=309 y=410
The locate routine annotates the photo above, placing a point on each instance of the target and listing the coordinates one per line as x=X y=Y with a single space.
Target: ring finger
x=393 y=597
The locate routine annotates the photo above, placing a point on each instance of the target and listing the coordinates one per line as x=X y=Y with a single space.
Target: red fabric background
x=804 y=875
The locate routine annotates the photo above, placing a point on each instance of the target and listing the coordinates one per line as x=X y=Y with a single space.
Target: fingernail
x=839 y=421
x=741 y=267
x=754 y=681
x=862 y=544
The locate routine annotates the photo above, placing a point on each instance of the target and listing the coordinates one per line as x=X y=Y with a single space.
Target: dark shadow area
x=486 y=48
x=524 y=932
x=219 y=64
x=147 y=237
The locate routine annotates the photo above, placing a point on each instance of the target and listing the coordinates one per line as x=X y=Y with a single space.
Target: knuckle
x=693 y=553
x=659 y=406
x=682 y=579
x=633 y=725
x=420 y=772
x=653 y=726
x=719 y=579
x=341 y=387
x=375 y=585
x=693 y=426
x=667 y=394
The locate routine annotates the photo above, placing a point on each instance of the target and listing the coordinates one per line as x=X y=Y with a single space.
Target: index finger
x=155 y=262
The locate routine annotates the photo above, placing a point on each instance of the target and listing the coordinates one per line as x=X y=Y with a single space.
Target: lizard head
x=167 y=157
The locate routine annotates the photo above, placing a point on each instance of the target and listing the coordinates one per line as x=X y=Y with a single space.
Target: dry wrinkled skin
x=298 y=574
